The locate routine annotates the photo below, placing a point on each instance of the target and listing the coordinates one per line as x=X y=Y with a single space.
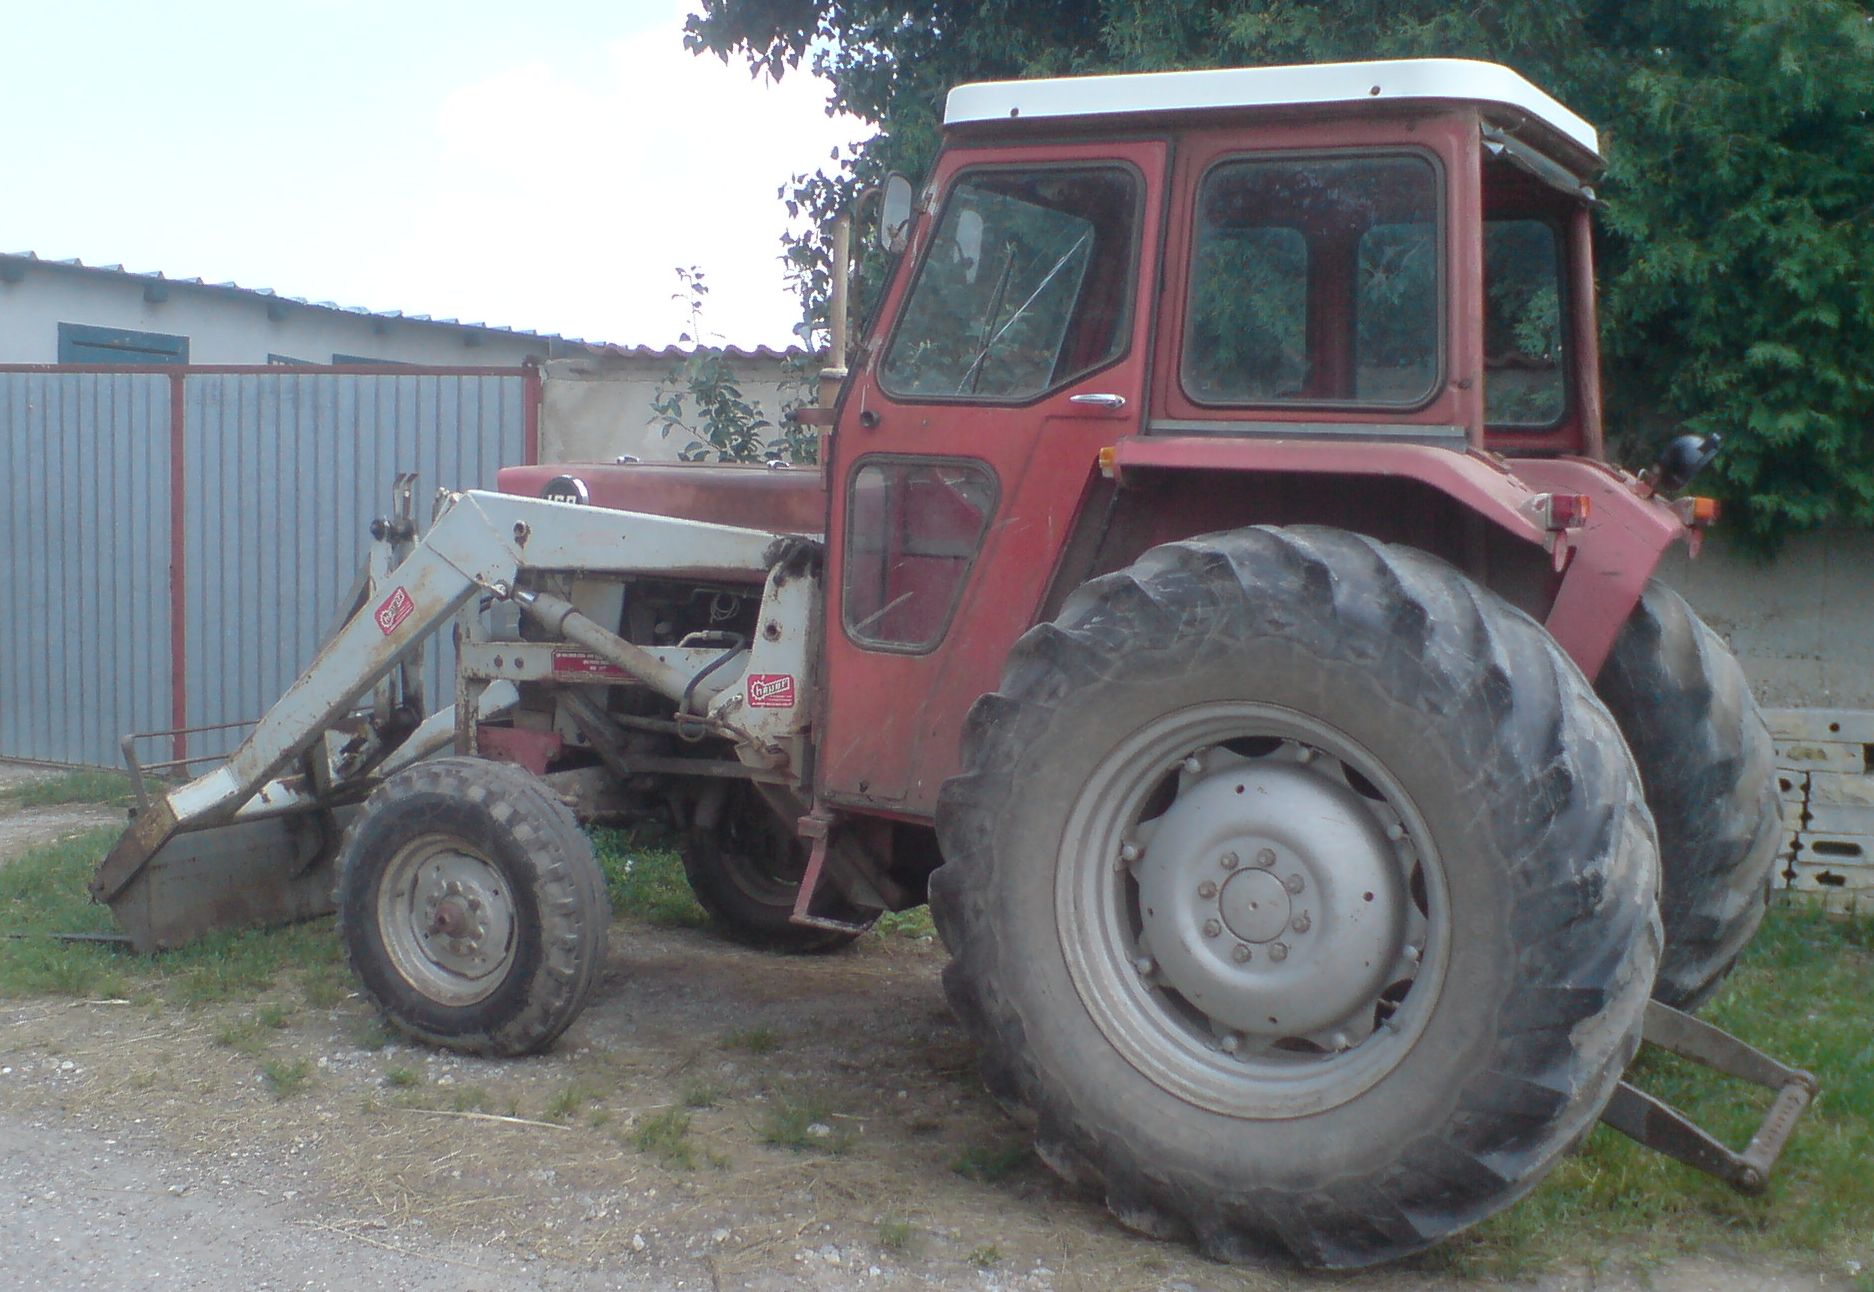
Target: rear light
x=1559 y=511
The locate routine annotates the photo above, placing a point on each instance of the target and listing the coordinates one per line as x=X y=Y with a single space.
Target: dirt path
x=720 y=1118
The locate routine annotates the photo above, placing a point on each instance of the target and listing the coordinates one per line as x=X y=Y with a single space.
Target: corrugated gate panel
x=284 y=475
x=84 y=645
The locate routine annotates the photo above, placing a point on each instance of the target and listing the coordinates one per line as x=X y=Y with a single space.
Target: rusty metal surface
x=785 y=501
x=246 y=874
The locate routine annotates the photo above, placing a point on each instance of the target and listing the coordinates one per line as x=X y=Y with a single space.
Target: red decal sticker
x=396 y=608
x=770 y=690
x=574 y=661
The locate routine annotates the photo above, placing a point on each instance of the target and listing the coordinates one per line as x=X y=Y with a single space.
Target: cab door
x=1014 y=349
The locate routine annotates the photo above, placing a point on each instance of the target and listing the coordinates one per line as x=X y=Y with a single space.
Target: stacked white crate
x=1825 y=773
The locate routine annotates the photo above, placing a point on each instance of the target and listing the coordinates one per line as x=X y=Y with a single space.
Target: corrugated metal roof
x=267 y=293
x=673 y=351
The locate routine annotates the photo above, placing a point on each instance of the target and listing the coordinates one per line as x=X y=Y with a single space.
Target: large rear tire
x=1709 y=768
x=1302 y=891
x=471 y=907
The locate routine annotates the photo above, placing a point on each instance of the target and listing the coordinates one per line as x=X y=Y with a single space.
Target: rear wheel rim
x=1252 y=910
x=446 y=916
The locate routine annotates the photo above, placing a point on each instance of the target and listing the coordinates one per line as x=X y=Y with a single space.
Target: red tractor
x=1213 y=600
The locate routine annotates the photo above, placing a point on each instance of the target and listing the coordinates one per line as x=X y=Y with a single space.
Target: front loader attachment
x=252 y=840
x=238 y=875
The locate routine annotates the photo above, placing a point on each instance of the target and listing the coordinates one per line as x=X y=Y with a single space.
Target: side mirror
x=894 y=214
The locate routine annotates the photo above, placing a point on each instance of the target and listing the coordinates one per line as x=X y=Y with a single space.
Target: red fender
x=1604 y=564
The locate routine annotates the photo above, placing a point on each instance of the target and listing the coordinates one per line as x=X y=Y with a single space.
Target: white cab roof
x=1460 y=79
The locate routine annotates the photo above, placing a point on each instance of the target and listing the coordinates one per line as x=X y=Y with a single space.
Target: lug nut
x=1240 y=954
x=1191 y=766
x=1230 y=861
x=1395 y=831
x=1342 y=1041
x=1129 y=851
x=1301 y=923
x=1293 y=884
x=1412 y=954
x=1206 y=889
x=1212 y=928
x=1278 y=951
x=1230 y=1043
x=1145 y=965
x=1266 y=858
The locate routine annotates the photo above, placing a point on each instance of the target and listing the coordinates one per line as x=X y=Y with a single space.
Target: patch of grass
x=402 y=1077
x=896 y=1236
x=701 y=1094
x=42 y=892
x=991 y=1163
x=275 y=1016
x=286 y=1078
x=84 y=785
x=985 y=1257
x=325 y=985
x=573 y=1096
x=753 y=1040
x=803 y=1125
x=913 y=925
x=666 y=1137
x=1800 y=993
x=644 y=878
x=244 y=1036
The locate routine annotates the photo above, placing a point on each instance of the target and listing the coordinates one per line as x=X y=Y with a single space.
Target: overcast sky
x=543 y=167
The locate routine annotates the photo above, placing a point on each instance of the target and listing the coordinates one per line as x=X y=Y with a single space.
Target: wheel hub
x=1272 y=900
x=1255 y=906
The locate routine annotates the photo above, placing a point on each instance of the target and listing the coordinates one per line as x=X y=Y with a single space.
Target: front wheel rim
x=1252 y=910
x=446 y=917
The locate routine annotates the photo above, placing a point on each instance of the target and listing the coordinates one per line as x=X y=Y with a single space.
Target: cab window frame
x=1564 y=295
x=1441 y=239
x=855 y=630
x=1126 y=327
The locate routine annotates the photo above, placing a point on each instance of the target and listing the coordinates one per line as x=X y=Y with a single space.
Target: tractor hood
x=779 y=499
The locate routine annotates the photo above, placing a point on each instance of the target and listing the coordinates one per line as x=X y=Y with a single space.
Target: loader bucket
x=242 y=874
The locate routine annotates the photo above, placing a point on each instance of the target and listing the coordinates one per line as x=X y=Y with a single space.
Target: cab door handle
x=1114 y=402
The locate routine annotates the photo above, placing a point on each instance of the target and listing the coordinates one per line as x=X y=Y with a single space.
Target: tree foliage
x=701 y=397
x=1736 y=239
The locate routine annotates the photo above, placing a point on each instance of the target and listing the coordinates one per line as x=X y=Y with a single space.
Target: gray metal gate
x=180 y=539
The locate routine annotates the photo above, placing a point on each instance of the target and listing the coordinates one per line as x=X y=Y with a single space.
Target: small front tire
x=472 y=908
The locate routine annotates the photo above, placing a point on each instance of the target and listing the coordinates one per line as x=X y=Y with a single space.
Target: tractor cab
x=1135 y=308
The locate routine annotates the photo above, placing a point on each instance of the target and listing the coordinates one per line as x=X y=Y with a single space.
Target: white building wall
x=597 y=406
x=1802 y=624
x=227 y=326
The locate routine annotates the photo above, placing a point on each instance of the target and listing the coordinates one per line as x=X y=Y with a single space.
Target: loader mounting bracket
x=1660 y=1126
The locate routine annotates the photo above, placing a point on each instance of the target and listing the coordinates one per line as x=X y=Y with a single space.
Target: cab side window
x=1315 y=280
x=1027 y=284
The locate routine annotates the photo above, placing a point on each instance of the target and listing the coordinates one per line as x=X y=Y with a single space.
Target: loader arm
x=480 y=543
